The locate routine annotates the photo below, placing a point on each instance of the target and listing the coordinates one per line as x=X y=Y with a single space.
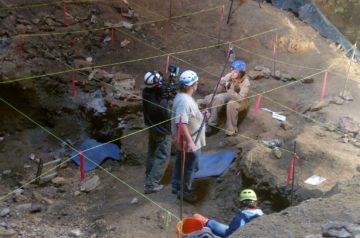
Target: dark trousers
x=159 y=148
x=191 y=166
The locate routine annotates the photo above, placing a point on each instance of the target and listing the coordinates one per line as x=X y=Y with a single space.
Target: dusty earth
x=40 y=119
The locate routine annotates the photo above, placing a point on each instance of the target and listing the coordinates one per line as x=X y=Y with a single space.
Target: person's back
x=156 y=110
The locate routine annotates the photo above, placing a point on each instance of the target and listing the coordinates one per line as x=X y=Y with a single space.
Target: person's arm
x=223 y=83
x=189 y=140
x=234 y=225
x=244 y=90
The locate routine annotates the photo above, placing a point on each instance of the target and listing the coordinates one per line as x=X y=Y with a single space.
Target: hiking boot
x=175 y=190
x=154 y=190
x=209 y=130
x=189 y=197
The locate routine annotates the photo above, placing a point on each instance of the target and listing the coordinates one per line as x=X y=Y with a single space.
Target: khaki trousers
x=233 y=110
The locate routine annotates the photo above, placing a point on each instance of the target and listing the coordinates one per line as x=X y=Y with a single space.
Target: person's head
x=188 y=81
x=152 y=79
x=248 y=198
x=238 y=69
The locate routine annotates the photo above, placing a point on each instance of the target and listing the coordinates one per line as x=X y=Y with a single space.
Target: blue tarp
x=96 y=155
x=214 y=165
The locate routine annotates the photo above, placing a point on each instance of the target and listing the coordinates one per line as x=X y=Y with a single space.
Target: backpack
x=203 y=233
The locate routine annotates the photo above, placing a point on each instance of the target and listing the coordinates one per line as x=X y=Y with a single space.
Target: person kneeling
x=247 y=213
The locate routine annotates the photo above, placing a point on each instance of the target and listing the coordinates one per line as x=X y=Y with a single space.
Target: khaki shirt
x=236 y=92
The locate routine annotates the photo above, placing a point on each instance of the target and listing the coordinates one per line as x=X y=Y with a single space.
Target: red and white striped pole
x=65 y=14
x=257 y=106
x=82 y=163
x=324 y=86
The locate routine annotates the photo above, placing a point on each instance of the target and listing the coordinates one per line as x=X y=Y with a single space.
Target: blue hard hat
x=188 y=78
x=238 y=65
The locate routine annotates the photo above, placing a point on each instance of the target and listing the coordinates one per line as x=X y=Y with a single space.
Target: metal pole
x=293 y=177
x=229 y=15
x=274 y=52
x=348 y=71
x=170 y=8
x=212 y=98
x=183 y=158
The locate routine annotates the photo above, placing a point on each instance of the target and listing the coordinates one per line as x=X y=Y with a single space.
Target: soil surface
x=40 y=119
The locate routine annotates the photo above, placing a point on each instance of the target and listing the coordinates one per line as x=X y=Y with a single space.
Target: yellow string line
x=268 y=98
x=114 y=27
x=94 y=147
x=134 y=60
x=202 y=69
x=78 y=152
x=250 y=52
x=199 y=33
x=245 y=50
x=54 y=3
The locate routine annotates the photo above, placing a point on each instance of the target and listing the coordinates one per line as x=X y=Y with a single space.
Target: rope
x=246 y=50
x=134 y=60
x=74 y=149
x=111 y=27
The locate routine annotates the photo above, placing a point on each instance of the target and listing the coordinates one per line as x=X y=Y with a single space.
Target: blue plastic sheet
x=213 y=165
x=96 y=155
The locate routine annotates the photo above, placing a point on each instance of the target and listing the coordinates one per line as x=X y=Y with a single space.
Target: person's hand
x=191 y=146
x=206 y=113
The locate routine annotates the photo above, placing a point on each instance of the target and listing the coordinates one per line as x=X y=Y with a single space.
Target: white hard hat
x=188 y=78
x=152 y=78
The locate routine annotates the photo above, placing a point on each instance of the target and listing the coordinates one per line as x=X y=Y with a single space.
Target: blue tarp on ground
x=214 y=165
x=96 y=155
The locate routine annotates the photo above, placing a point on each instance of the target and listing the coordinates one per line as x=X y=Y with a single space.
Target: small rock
x=348 y=125
x=100 y=74
x=75 y=233
x=19 y=198
x=335 y=229
x=107 y=39
x=286 y=77
x=7 y=233
x=356 y=143
x=254 y=75
x=330 y=127
x=319 y=105
x=277 y=74
x=6 y=172
x=124 y=43
x=307 y=80
x=77 y=193
x=89 y=59
x=134 y=201
x=35 y=208
x=58 y=180
x=47 y=201
x=346 y=95
x=2 y=138
x=24 y=206
x=18 y=191
x=286 y=125
x=32 y=156
x=4 y=212
x=27 y=166
x=337 y=100
x=90 y=184
x=277 y=153
x=93 y=19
